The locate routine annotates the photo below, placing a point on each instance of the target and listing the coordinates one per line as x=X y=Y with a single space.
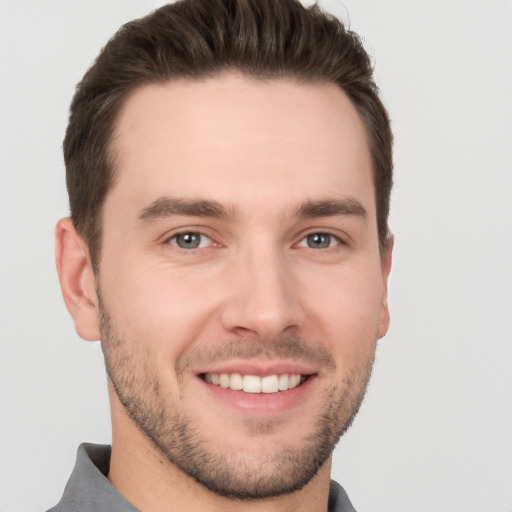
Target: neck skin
x=144 y=477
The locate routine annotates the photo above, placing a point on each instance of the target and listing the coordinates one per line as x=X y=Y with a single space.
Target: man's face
x=240 y=250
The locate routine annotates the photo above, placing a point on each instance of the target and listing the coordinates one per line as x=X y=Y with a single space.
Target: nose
x=261 y=300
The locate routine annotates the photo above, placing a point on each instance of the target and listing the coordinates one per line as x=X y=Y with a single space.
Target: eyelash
x=331 y=236
x=304 y=242
x=192 y=234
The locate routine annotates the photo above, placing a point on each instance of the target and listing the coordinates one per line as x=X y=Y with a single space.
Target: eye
x=319 y=241
x=190 y=240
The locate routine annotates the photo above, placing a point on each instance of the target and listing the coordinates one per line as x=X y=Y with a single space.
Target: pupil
x=188 y=241
x=319 y=241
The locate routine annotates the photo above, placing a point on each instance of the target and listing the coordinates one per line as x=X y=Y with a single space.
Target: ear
x=386 y=260
x=77 y=280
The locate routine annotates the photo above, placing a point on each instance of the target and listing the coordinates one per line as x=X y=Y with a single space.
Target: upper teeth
x=253 y=383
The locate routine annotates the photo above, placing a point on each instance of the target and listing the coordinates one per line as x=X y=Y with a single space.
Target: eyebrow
x=164 y=207
x=331 y=207
x=168 y=206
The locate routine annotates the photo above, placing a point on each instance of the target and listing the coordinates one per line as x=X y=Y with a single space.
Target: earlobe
x=386 y=261
x=77 y=280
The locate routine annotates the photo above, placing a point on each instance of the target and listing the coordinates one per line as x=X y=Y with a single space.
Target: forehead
x=224 y=134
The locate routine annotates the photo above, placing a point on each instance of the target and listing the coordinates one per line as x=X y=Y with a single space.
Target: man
x=229 y=171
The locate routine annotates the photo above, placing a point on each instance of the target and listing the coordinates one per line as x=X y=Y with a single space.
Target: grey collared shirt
x=88 y=488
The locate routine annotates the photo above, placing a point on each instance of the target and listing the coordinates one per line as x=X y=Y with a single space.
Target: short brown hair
x=193 y=39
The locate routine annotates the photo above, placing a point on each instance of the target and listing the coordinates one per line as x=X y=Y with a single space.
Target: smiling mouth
x=254 y=383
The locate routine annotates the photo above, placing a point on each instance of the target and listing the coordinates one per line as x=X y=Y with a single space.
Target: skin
x=261 y=151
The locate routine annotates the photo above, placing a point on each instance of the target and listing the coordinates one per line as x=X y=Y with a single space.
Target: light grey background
x=435 y=432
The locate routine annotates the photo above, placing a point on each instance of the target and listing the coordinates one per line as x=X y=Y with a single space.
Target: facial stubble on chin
x=233 y=474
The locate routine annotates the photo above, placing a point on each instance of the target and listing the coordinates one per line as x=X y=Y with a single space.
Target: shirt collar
x=88 y=488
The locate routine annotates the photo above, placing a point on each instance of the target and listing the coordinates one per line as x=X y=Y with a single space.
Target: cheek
x=347 y=306
x=166 y=310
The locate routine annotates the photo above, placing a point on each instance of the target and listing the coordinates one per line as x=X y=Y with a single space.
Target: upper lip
x=259 y=368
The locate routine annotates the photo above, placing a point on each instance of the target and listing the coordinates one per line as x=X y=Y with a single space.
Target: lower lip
x=262 y=403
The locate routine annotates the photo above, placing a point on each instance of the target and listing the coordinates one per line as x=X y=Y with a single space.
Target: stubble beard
x=234 y=475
